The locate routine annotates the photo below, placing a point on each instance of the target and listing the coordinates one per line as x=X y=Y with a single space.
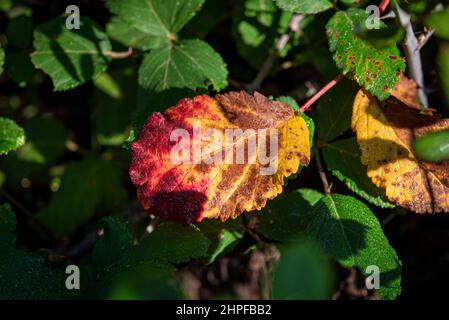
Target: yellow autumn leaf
x=385 y=135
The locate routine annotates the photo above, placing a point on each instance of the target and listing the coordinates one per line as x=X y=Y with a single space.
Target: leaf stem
x=383 y=5
x=119 y=55
x=326 y=186
x=320 y=93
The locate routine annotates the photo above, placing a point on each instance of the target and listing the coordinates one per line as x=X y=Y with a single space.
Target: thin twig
x=326 y=186
x=423 y=39
x=411 y=45
x=132 y=215
x=119 y=55
x=389 y=218
x=320 y=93
x=280 y=45
x=84 y=245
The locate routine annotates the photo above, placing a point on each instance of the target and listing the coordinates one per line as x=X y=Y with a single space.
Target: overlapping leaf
x=70 y=56
x=159 y=19
x=385 y=135
x=171 y=243
x=348 y=230
x=121 y=270
x=125 y=34
x=12 y=136
x=223 y=236
x=174 y=66
x=342 y=158
x=334 y=111
x=286 y=218
x=170 y=72
x=376 y=69
x=196 y=189
x=186 y=64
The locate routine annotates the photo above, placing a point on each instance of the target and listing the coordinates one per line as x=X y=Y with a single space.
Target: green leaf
x=347 y=230
x=113 y=275
x=170 y=73
x=223 y=236
x=342 y=158
x=70 y=57
x=303 y=273
x=286 y=217
x=86 y=186
x=186 y=64
x=375 y=69
x=25 y=275
x=113 y=104
x=438 y=22
x=304 y=6
x=334 y=110
x=114 y=246
x=123 y=33
x=257 y=26
x=12 y=136
x=30 y=277
x=171 y=242
x=161 y=19
x=289 y=101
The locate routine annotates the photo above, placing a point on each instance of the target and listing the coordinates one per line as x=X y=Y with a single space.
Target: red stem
x=320 y=93
x=119 y=55
x=383 y=5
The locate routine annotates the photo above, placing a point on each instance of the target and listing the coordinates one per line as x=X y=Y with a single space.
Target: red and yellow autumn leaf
x=191 y=191
x=385 y=134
